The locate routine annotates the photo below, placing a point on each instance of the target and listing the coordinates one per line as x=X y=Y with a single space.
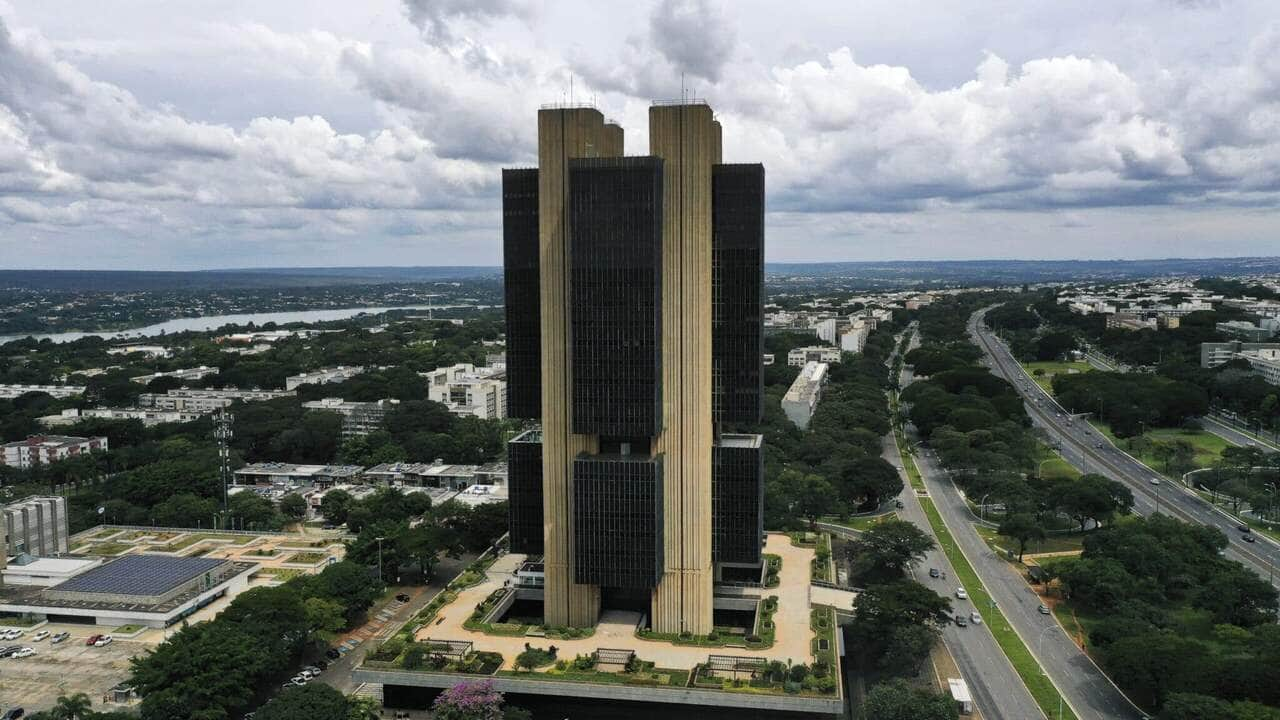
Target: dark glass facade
x=524 y=492
x=615 y=270
x=737 y=499
x=617 y=520
x=523 y=304
x=737 y=278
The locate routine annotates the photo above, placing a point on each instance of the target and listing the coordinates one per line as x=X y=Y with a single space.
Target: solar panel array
x=139 y=575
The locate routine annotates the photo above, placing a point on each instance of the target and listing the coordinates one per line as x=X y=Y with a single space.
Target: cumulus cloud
x=693 y=35
x=854 y=148
x=437 y=18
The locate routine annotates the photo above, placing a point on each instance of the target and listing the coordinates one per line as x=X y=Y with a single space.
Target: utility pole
x=222 y=433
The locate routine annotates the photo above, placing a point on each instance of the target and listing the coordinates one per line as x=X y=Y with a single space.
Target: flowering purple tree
x=469 y=701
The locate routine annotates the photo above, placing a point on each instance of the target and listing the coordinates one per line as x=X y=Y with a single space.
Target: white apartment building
x=43 y=449
x=154 y=351
x=194 y=373
x=800 y=356
x=854 y=337
x=206 y=401
x=148 y=416
x=358 y=418
x=802 y=397
x=323 y=376
x=60 y=392
x=468 y=390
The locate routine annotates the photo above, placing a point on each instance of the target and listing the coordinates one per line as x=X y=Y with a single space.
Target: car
x=1043 y=609
x=322 y=664
x=60 y=637
x=332 y=654
x=1244 y=528
x=40 y=636
x=1098 y=445
x=92 y=639
x=933 y=572
x=1248 y=538
x=6 y=652
x=103 y=641
x=961 y=621
x=899 y=504
x=306 y=674
x=402 y=597
x=298 y=682
x=13 y=714
x=12 y=634
x=1155 y=481
x=24 y=652
x=975 y=618
x=311 y=669
x=960 y=593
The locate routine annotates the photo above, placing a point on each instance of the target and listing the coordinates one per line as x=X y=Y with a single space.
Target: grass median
x=1045 y=694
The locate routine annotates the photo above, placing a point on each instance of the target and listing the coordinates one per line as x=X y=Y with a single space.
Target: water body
x=213 y=322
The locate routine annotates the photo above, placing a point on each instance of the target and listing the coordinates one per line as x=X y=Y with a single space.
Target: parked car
x=103 y=641
x=332 y=654
x=960 y=593
x=898 y=504
x=6 y=652
x=40 y=636
x=1043 y=609
x=60 y=637
x=975 y=618
x=402 y=597
x=961 y=621
x=24 y=652
x=933 y=572
x=92 y=640
x=322 y=664
x=13 y=714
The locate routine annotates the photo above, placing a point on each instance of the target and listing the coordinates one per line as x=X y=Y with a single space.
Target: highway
x=998 y=692
x=1093 y=452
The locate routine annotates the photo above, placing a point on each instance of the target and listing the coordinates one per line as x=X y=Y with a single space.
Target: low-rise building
x=323 y=376
x=802 y=397
x=1131 y=321
x=358 y=418
x=468 y=390
x=152 y=351
x=207 y=401
x=438 y=474
x=185 y=375
x=1264 y=358
x=800 y=356
x=43 y=449
x=59 y=392
x=268 y=474
x=1247 y=331
x=35 y=526
x=148 y=416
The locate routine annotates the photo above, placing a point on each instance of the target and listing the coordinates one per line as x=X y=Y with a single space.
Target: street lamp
x=379 y=539
x=1039 y=649
x=982 y=506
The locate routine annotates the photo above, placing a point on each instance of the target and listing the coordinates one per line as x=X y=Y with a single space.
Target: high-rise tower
x=644 y=283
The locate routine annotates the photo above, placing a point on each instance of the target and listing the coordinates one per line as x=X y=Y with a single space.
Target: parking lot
x=34 y=683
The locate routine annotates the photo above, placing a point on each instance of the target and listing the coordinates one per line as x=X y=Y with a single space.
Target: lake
x=213 y=322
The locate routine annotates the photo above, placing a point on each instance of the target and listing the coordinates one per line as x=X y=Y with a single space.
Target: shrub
x=798 y=672
x=414 y=658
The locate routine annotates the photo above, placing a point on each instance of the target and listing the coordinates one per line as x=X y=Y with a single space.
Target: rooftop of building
x=50 y=441
x=139 y=575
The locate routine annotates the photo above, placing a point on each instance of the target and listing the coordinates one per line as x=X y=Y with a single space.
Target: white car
x=12 y=634
x=102 y=641
x=960 y=593
x=40 y=636
x=24 y=652
x=1155 y=481
x=975 y=618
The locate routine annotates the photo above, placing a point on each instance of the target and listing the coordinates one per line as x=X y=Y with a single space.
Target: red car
x=92 y=639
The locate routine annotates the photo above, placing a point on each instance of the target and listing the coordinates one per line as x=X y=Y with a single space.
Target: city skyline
x=345 y=135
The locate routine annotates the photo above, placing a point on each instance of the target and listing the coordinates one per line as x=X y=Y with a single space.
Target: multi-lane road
x=1093 y=452
x=997 y=690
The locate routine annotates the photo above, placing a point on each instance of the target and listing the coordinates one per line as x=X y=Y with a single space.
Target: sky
x=151 y=134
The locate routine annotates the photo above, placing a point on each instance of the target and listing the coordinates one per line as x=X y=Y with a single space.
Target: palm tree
x=71 y=708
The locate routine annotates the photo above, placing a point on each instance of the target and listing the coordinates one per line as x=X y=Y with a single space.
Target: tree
x=897 y=700
x=293 y=506
x=1188 y=706
x=881 y=608
x=1237 y=596
x=308 y=702
x=889 y=548
x=906 y=649
x=69 y=707
x=324 y=616
x=1024 y=528
x=813 y=497
x=468 y=701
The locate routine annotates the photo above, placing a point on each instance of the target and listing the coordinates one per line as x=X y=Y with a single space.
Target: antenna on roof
x=570 y=90
x=682 y=93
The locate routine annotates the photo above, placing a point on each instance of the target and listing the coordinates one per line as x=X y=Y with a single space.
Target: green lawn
x=1045 y=694
x=1045 y=380
x=1054 y=543
x=862 y=523
x=1208 y=446
x=281 y=573
x=305 y=558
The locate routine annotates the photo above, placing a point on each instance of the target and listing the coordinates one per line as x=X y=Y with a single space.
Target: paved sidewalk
x=617 y=630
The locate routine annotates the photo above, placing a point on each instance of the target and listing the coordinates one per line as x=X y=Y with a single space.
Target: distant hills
x=868 y=274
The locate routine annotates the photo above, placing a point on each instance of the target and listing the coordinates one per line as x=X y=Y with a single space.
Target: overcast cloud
x=144 y=134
